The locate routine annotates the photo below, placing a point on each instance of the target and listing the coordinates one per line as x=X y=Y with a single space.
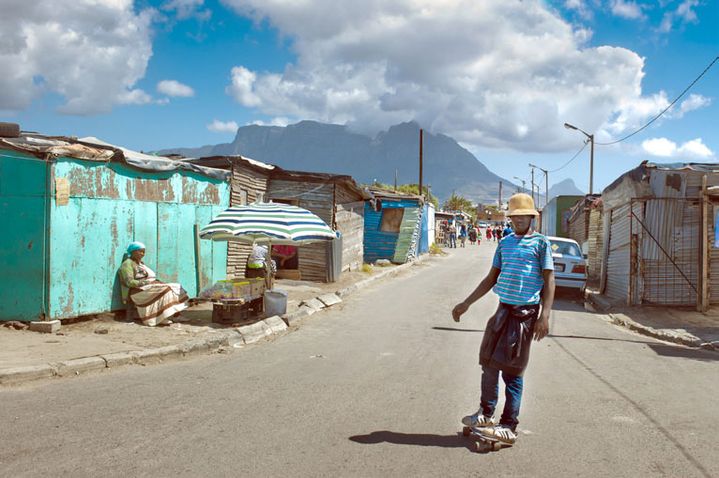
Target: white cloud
x=373 y=64
x=660 y=147
x=666 y=148
x=627 y=9
x=90 y=52
x=683 y=14
x=134 y=97
x=185 y=9
x=580 y=7
x=218 y=126
x=243 y=81
x=277 y=121
x=694 y=102
x=696 y=148
x=174 y=88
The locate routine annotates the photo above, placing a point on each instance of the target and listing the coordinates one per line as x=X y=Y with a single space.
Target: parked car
x=570 y=267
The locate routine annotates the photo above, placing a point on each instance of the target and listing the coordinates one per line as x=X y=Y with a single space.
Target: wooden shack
x=249 y=181
x=340 y=202
x=393 y=228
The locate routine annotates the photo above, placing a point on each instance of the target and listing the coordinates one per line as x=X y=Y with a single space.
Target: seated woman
x=155 y=301
x=256 y=262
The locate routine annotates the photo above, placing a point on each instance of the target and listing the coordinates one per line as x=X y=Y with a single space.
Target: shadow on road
x=416 y=439
x=455 y=329
x=684 y=352
x=599 y=338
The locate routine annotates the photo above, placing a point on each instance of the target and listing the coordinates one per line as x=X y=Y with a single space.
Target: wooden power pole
x=420 y=160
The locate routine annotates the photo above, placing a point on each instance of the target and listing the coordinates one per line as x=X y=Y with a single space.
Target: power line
x=568 y=162
x=665 y=109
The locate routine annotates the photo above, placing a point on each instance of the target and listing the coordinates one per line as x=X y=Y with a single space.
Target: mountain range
x=329 y=148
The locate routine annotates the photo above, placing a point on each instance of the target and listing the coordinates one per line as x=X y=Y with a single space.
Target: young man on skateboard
x=522 y=275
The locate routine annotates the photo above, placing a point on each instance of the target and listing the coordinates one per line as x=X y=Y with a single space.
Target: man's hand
x=541 y=327
x=458 y=310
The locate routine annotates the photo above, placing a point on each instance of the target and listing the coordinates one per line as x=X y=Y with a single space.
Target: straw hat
x=522 y=204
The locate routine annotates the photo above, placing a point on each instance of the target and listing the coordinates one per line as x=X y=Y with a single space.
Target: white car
x=570 y=267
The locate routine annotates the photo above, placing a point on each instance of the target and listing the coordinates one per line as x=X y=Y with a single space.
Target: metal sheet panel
x=22 y=246
x=618 y=259
x=670 y=273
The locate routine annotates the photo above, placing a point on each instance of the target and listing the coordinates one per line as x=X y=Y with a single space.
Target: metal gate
x=665 y=251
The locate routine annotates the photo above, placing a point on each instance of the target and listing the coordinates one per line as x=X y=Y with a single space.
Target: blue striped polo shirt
x=521 y=260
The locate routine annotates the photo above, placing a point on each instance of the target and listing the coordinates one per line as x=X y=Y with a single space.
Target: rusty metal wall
x=110 y=205
x=618 y=257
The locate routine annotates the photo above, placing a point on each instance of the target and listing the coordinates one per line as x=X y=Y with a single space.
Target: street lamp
x=591 y=154
x=546 y=183
x=523 y=182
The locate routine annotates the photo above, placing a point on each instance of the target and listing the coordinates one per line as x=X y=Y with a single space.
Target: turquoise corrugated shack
x=392 y=228
x=69 y=210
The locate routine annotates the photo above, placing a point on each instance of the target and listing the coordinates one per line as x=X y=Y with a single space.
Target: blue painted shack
x=70 y=207
x=393 y=227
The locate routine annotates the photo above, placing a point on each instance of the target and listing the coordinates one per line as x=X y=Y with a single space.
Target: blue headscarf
x=135 y=246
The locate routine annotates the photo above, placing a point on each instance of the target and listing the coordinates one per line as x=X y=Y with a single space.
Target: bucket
x=275 y=302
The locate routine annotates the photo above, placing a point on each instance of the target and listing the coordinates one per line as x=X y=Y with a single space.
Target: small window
x=243 y=197
x=391 y=219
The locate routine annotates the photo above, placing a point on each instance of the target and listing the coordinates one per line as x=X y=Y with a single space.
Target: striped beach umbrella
x=267 y=223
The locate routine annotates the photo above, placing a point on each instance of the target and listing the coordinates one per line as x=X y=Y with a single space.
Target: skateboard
x=483 y=443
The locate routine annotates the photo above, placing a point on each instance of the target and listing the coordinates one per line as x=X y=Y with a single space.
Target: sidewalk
x=104 y=342
x=679 y=325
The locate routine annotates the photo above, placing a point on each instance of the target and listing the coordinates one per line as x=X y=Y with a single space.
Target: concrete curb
x=676 y=336
x=247 y=334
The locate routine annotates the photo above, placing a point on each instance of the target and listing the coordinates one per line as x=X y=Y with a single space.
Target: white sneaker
x=478 y=421
x=503 y=434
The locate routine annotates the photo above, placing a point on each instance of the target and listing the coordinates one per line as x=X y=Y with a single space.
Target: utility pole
x=533 y=184
x=499 y=202
x=546 y=183
x=420 y=160
x=524 y=184
x=396 y=171
x=590 y=138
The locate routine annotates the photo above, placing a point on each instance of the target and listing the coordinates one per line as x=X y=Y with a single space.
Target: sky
x=500 y=76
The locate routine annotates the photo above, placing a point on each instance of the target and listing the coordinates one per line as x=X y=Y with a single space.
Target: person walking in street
x=453 y=235
x=488 y=233
x=522 y=275
x=462 y=235
x=507 y=230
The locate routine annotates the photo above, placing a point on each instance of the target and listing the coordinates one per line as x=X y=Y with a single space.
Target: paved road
x=377 y=388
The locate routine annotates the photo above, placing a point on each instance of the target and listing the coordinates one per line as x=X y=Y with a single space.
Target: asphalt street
x=376 y=387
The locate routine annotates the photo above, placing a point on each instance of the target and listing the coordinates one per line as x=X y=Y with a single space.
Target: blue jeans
x=512 y=395
x=453 y=240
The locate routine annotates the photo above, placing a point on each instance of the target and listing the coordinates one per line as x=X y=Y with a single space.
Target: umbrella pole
x=269 y=270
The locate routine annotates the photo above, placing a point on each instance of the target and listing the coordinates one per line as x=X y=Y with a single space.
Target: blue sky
x=499 y=76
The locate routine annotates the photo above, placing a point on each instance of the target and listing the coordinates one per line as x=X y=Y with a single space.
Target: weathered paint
x=385 y=245
x=22 y=209
x=110 y=205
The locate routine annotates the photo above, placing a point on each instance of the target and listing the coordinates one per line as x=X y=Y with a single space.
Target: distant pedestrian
x=522 y=275
x=507 y=230
x=473 y=236
x=462 y=235
x=453 y=235
x=488 y=233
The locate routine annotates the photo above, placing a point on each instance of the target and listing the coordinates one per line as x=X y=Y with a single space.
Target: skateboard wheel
x=466 y=431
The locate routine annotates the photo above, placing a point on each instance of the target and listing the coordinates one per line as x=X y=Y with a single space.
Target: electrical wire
x=665 y=109
x=568 y=162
